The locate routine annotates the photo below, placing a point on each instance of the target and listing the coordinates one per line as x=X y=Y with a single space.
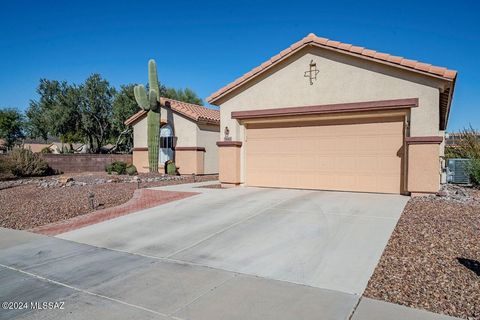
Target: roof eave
x=213 y=99
x=450 y=98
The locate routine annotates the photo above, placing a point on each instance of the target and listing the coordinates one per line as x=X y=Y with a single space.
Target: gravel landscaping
x=29 y=203
x=432 y=259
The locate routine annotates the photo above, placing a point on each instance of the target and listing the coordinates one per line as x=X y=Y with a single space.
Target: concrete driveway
x=219 y=255
x=329 y=240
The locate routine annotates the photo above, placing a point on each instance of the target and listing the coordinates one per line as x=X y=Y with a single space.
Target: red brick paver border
x=142 y=199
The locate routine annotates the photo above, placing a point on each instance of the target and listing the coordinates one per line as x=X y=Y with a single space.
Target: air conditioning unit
x=457 y=171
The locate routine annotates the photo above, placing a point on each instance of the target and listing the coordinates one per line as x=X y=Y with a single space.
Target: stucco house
x=38 y=147
x=3 y=146
x=328 y=115
x=188 y=135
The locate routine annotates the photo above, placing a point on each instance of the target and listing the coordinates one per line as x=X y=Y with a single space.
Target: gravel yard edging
x=431 y=261
x=142 y=199
x=29 y=203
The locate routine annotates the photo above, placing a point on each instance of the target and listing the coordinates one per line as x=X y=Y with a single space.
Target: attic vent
x=457 y=172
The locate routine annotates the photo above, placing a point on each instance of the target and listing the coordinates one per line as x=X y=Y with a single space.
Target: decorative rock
x=64 y=179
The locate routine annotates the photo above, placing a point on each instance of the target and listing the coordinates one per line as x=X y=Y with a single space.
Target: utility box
x=457 y=171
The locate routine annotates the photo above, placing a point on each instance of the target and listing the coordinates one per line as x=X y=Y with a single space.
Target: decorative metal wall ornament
x=227 y=134
x=312 y=72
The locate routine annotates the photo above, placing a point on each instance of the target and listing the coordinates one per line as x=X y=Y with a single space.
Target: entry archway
x=166 y=143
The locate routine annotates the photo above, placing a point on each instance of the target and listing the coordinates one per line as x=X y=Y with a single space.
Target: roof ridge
x=362 y=52
x=183 y=102
x=190 y=110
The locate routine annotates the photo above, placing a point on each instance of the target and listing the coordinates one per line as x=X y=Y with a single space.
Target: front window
x=166 y=142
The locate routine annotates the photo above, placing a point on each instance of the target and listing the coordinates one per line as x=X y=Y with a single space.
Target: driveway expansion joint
x=355 y=307
x=216 y=286
x=33 y=275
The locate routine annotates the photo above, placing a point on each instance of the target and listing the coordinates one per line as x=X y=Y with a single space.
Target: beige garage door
x=347 y=155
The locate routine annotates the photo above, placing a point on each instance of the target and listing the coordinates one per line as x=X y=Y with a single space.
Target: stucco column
x=190 y=160
x=424 y=170
x=229 y=162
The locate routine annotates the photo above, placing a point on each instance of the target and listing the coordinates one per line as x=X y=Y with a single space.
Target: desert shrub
x=131 y=170
x=171 y=168
x=5 y=167
x=25 y=163
x=452 y=152
x=468 y=145
x=118 y=167
x=4 y=163
x=473 y=168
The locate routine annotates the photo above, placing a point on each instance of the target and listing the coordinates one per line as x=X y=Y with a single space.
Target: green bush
x=468 y=145
x=473 y=168
x=131 y=170
x=118 y=167
x=25 y=163
x=171 y=168
x=5 y=167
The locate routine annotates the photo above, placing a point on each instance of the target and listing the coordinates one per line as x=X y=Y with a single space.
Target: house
x=3 y=146
x=188 y=135
x=107 y=148
x=38 y=147
x=79 y=148
x=328 y=115
x=54 y=147
x=453 y=139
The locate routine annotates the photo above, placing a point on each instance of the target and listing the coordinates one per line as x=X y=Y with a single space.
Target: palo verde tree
x=56 y=113
x=151 y=103
x=124 y=106
x=11 y=126
x=96 y=98
x=185 y=95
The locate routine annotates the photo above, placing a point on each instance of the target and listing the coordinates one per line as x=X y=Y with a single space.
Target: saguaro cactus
x=151 y=103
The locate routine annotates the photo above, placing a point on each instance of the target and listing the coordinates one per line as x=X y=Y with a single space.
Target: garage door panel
x=350 y=156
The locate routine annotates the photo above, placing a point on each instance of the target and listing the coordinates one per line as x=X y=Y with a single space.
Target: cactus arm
x=152 y=77
x=141 y=97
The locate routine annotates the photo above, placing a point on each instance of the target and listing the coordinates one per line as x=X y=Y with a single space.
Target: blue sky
x=206 y=44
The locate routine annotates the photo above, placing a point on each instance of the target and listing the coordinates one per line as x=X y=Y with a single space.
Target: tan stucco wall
x=341 y=79
x=207 y=136
x=184 y=129
x=189 y=134
x=140 y=134
x=229 y=164
x=140 y=160
x=190 y=161
x=423 y=168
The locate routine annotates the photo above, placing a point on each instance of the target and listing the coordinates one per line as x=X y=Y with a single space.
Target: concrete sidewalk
x=95 y=283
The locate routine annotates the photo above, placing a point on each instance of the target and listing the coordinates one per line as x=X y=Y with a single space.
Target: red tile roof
x=137 y=116
x=189 y=110
x=312 y=39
